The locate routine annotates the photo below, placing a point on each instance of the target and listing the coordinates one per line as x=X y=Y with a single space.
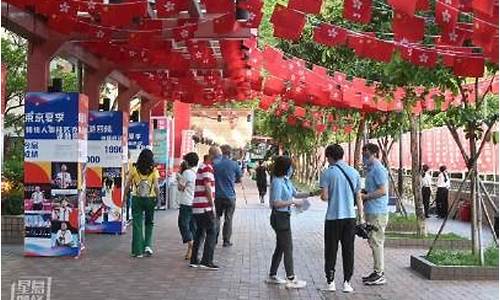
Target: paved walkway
x=105 y=270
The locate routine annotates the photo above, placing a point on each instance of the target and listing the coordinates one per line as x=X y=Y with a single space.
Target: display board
x=106 y=163
x=187 y=144
x=55 y=155
x=160 y=128
x=138 y=139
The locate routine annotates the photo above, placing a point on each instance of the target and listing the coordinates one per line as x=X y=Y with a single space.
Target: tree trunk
x=473 y=191
x=416 y=177
x=357 y=146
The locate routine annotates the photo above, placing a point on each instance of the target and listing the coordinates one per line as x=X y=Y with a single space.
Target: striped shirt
x=200 y=202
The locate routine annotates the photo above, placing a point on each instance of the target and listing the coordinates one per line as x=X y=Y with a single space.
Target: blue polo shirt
x=340 y=196
x=226 y=173
x=282 y=189
x=376 y=177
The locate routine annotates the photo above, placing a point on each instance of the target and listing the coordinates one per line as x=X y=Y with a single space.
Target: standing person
x=340 y=186
x=144 y=180
x=37 y=197
x=261 y=180
x=375 y=199
x=227 y=174
x=186 y=184
x=203 y=213
x=426 y=188
x=443 y=185
x=281 y=200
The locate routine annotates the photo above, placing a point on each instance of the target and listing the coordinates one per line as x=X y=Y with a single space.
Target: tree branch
x=454 y=134
x=483 y=142
x=462 y=92
x=489 y=87
x=390 y=146
x=8 y=109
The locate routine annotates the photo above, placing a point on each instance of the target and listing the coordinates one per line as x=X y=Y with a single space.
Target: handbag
x=280 y=221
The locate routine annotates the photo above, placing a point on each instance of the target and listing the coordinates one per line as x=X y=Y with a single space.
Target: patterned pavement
x=105 y=270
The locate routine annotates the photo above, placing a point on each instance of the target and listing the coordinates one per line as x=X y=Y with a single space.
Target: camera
x=363 y=230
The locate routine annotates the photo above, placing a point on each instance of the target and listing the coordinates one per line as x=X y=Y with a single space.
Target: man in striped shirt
x=203 y=213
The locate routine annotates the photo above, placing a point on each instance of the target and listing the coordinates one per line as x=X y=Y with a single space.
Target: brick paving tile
x=105 y=270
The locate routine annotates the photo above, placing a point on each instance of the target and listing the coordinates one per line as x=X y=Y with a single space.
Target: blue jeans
x=186 y=223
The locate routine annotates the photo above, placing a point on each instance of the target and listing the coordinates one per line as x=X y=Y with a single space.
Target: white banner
x=55 y=150
x=105 y=154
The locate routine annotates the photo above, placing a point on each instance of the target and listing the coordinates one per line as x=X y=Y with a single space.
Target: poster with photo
x=37 y=198
x=37 y=224
x=55 y=154
x=105 y=171
x=64 y=175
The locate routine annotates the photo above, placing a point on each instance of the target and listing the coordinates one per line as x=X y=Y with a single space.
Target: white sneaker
x=275 y=280
x=330 y=287
x=148 y=251
x=347 y=287
x=295 y=284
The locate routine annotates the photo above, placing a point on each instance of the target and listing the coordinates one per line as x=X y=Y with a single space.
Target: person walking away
x=227 y=174
x=443 y=186
x=340 y=185
x=281 y=200
x=375 y=199
x=426 y=188
x=203 y=214
x=143 y=180
x=261 y=180
x=186 y=184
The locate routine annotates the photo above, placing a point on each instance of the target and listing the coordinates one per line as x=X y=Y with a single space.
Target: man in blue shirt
x=227 y=173
x=375 y=198
x=340 y=186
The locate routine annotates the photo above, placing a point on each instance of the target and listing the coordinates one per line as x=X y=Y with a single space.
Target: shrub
x=13 y=202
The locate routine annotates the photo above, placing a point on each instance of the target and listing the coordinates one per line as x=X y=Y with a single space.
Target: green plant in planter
x=13 y=202
x=463 y=258
x=445 y=236
x=398 y=219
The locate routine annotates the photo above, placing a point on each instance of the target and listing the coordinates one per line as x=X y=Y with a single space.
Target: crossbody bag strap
x=351 y=185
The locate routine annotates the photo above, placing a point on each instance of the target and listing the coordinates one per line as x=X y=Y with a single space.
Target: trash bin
x=464 y=211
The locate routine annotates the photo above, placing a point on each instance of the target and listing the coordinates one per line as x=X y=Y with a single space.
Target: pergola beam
x=25 y=23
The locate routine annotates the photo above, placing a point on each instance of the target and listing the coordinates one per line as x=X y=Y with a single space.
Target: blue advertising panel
x=104 y=209
x=138 y=135
x=54 y=189
x=51 y=116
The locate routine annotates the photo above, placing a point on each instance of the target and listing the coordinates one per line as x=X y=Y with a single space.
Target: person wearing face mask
x=340 y=185
x=281 y=200
x=443 y=185
x=375 y=199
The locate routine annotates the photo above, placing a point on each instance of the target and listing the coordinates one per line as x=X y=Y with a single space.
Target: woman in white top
x=443 y=185
x=426 y=188
x=186 y=181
